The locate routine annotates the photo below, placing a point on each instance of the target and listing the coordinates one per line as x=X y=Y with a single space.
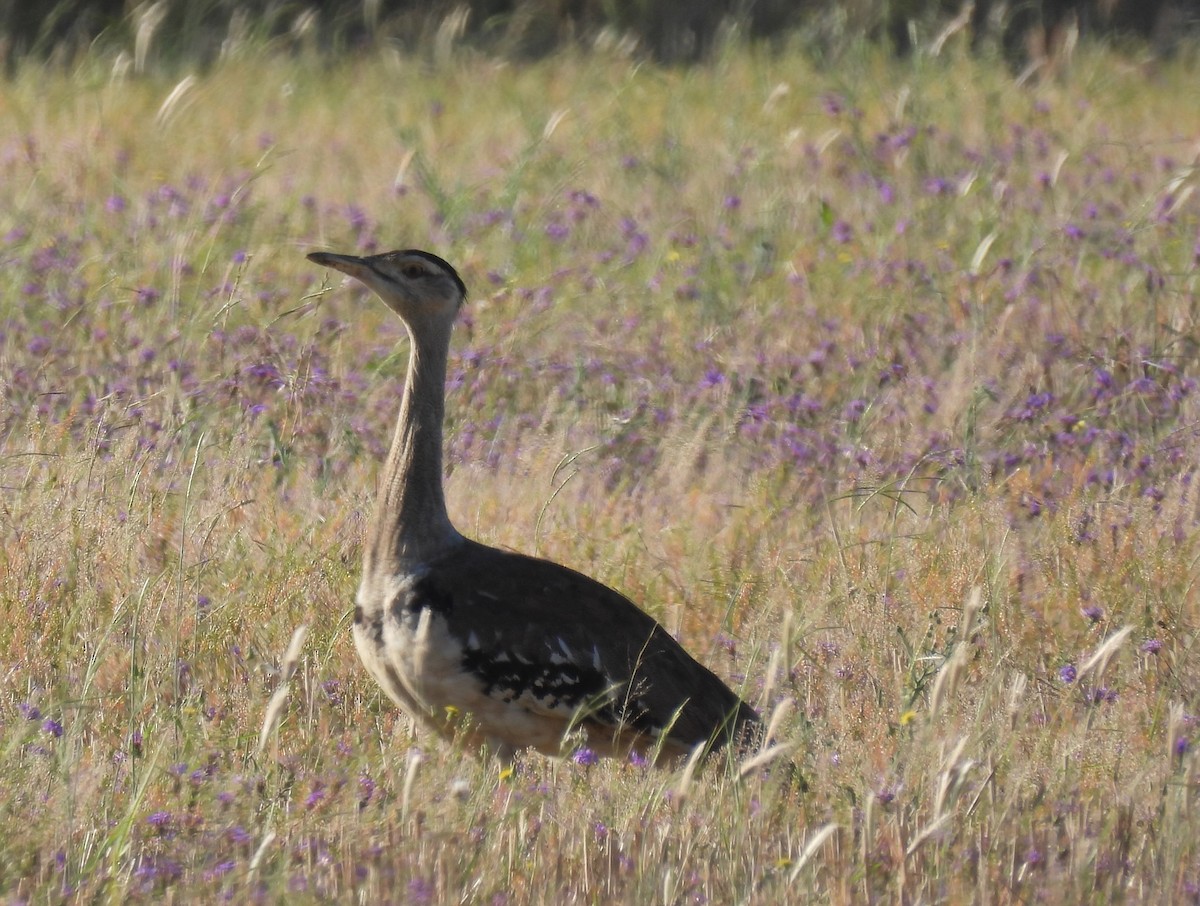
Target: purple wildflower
x=585 y=756
x=366 y=789
x=221 y=868
x=637 y=244
x=420 y=891
x=936 y=185
x=1067 y=673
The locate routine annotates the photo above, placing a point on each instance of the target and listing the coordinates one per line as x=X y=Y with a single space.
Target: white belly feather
x=420 y=664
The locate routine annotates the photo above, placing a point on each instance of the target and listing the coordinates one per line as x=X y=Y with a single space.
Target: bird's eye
x=413 y=271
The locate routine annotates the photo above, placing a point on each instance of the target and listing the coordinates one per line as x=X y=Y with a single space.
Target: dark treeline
x=671 y=31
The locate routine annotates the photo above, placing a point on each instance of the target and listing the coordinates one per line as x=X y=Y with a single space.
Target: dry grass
x=192 y=423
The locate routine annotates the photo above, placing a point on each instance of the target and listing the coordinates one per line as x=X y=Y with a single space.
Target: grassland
x=877 y=385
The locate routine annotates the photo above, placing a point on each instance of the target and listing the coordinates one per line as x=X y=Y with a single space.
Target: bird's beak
x=350 y=265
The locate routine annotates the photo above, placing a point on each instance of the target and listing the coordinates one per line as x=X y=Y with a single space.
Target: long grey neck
x=411 y=525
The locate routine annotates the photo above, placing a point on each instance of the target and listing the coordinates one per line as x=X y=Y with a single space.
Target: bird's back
x=533 y=648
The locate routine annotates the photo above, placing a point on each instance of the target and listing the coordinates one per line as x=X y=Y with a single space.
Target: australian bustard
x=510 y=650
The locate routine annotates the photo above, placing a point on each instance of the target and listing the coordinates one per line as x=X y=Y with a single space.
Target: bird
x=505 y=651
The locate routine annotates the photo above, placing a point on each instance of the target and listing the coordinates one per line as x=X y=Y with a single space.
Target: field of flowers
x=875 y=383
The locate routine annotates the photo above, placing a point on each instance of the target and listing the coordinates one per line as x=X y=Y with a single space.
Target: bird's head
x=418 y=286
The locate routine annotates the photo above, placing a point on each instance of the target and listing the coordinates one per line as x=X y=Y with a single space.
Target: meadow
x=875 y=383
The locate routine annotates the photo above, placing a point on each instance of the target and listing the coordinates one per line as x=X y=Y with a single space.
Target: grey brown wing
x=561 y=644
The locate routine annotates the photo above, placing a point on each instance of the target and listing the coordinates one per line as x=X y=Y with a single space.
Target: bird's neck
x=411 y=525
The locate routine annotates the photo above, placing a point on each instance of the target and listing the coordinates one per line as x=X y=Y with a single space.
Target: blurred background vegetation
x=171 y=32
